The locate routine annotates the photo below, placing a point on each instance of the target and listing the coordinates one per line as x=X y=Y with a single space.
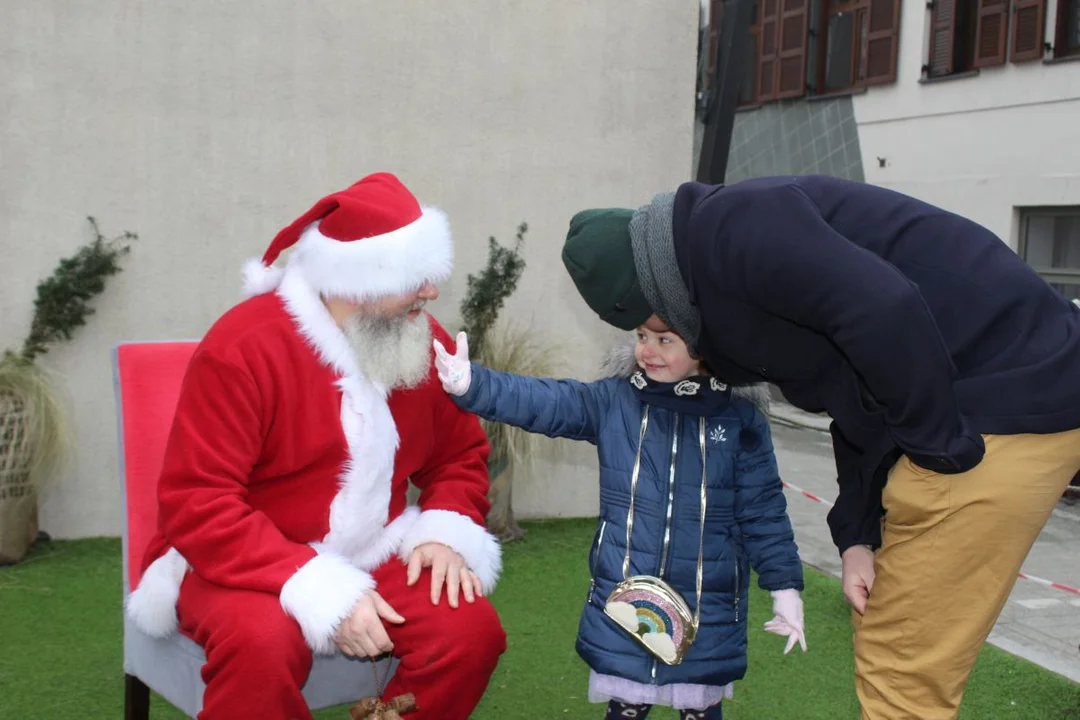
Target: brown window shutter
x=1028 y=30
x=791 y=62
x=942 y=34
x=882 y=36
x=770 y=27
x=748 y=83
x=990 y=33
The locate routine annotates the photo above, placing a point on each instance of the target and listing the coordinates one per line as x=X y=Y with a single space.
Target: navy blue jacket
x=917 y=330
x=746 y=514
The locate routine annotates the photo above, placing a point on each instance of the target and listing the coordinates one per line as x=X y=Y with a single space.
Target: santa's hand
x=362 y=633
x=788 y=618
x=455 y=372
x=446 y=566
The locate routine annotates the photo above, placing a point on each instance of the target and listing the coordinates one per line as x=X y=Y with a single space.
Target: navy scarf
x=699 y=396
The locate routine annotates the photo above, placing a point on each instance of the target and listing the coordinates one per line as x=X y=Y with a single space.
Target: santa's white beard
x=396 y=353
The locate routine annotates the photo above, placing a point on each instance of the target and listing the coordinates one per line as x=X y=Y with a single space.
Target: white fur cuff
x=151 y=606
x=320 y=595
x=473 y=542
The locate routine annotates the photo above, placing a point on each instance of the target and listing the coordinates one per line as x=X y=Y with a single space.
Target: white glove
x=455 y=371
x=788 y=618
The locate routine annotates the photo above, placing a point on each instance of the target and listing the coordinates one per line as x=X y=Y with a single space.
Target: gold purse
x=645 y=606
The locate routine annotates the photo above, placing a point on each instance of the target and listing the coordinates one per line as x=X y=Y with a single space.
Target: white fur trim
x=152 y=605
x=388 y=542
x=758 y=394
x=481 y=550
x=315 y=323
x=321 y=594
x=260 y=279
x=620 y=361
x=389 y=264
x=359 y=511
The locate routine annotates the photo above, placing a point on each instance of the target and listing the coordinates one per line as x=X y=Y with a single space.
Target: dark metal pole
x=720 y=116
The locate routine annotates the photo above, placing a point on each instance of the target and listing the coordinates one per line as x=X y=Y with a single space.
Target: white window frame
x=1063 y=276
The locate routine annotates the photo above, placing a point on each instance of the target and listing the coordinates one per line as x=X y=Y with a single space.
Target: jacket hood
x=620 y=363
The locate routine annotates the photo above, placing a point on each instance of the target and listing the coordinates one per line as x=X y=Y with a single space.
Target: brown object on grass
x=372 y=708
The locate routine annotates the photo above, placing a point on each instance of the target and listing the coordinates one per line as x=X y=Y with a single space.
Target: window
x=1050 y=243
x=708 y=49
x=782 y=36
x=710 y=45
x=966 y=35
x=748 y=85
x=1067 y=42
x=847 y=44
x=860 y=44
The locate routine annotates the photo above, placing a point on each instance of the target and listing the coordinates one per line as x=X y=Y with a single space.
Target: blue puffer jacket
x=746 y=520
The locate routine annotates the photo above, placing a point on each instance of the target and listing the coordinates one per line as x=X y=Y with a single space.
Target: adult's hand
x=362 y=633
x=858 y=576
x=447 y=566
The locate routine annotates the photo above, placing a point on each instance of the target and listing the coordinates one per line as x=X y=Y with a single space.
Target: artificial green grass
x=60 y=645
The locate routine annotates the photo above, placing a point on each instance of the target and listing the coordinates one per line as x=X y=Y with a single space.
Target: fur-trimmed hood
x=620 y=362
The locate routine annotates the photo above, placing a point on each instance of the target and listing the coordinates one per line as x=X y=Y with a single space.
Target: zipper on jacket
x=738 y=585
x=596 y=558
x=666 y=548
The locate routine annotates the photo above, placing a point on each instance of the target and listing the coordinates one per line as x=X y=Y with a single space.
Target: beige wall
x=207 y=126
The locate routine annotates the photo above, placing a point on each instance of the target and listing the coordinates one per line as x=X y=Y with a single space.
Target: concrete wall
x=980 y=145
x=207 y=126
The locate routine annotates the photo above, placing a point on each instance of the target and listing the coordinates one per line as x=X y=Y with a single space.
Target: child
x=668 y=437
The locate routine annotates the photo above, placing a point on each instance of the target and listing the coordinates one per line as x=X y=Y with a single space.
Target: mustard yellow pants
x=951 y=549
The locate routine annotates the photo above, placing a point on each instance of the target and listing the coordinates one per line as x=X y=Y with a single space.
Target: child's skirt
x=681 y=696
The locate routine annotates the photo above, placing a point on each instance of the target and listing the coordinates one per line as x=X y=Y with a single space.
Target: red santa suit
x=283 y=491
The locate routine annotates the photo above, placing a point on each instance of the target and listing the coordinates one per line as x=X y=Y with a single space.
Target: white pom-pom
x=260 y=279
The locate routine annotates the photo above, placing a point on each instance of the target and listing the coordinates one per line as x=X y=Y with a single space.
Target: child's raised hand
x=788 y=618
x=455 y=372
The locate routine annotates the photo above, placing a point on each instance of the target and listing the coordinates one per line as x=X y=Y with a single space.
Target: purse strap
x=633 y=493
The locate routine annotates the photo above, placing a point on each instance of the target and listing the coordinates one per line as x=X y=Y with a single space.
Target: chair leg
x=136 y=699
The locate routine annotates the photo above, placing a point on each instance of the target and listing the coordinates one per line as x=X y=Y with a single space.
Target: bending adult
x=950 y=369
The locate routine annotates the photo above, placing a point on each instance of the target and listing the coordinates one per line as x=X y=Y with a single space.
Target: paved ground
x=1039 y=623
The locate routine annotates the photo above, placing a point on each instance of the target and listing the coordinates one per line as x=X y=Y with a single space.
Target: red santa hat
x=370 y=240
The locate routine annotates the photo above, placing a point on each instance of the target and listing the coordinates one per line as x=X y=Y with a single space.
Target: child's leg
x=617 y=711
x=713 y=713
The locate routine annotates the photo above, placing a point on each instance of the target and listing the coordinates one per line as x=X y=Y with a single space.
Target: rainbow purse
x=645 y=606
x=655 y=615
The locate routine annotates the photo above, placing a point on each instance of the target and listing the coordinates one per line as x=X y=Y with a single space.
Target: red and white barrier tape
x=1049 y=583
x=1022 y=575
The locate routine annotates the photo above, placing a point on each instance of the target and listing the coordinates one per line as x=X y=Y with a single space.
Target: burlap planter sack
x=18 y=496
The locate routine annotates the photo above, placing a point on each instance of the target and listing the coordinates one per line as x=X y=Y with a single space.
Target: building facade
x=973 y=105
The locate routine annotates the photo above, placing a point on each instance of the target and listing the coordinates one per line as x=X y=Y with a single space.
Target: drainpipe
x=720 y=115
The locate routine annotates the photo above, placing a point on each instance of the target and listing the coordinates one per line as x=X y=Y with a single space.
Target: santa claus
x=284 y=529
